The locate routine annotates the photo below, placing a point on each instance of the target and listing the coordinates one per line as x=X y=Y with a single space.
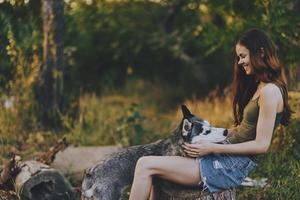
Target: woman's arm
x=269 y=101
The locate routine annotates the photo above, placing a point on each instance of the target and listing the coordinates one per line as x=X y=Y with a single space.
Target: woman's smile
x=243 y=55
x=247 y=69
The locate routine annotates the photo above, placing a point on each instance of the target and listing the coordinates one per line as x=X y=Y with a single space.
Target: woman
x=260 y=103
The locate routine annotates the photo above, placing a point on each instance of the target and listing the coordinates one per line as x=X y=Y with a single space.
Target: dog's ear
x=185 y=112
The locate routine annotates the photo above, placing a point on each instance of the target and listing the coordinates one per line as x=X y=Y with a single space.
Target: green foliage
x=20 y=48
x=115 y=120
x=17 y=113
x=129 y=127
x=173 y=43
x=184 y=45
x=20 y=34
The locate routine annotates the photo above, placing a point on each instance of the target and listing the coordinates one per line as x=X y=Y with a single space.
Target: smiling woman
x=260 y=103
x=244 y=58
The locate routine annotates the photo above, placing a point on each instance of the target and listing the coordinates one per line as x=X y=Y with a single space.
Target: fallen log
x=34 y=180
x=37 y=181
x=74 y=160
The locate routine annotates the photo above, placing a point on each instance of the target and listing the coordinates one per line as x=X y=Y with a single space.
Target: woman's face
x=243 y=55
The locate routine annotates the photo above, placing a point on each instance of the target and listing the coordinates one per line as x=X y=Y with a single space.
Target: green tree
x=49 y=90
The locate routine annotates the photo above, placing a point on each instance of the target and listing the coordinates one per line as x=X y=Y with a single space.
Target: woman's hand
x=200 y=148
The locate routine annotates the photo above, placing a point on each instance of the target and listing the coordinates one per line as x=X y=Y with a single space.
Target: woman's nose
x=240 y=62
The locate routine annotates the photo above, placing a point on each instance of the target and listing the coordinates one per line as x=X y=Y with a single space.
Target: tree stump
x=37 y=181
x=165 y=190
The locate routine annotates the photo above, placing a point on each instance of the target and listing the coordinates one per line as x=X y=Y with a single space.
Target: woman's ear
x=262 y=52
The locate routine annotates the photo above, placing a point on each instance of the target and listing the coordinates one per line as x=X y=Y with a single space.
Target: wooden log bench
x=165 y=190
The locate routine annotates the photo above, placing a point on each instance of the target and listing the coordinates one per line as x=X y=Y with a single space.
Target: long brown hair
x=266 y=67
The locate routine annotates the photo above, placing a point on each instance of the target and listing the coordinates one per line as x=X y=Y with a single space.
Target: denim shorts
x=223 y=171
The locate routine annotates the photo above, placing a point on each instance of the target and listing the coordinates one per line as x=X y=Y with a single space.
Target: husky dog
x=107 y=179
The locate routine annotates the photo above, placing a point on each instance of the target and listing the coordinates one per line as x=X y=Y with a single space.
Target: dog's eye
x=207 y=132
x=88 y=175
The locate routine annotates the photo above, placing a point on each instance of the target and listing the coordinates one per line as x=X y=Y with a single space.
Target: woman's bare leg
x=173 y=168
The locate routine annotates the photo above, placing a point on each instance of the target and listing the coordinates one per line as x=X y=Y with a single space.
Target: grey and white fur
x=106 y=180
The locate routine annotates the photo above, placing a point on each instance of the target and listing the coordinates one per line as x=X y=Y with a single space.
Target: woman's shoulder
x=270 y=88
x=271 y=91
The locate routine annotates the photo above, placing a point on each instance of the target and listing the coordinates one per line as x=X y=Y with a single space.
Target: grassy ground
x=128 y=120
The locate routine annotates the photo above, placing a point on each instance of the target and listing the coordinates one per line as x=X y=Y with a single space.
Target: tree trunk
x=37 y=181
x=165 y=190
x=50 y=86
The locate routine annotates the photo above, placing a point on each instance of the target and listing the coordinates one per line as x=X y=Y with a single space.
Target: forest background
x=120 y=69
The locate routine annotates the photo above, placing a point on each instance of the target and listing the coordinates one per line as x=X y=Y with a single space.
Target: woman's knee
x=145 y=165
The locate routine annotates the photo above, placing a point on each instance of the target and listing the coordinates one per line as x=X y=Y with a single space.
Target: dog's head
x=194 y=129
x=91 y=184
x=97 y=185
x=88 y=184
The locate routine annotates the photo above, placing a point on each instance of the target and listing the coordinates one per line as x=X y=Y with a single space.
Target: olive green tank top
x=246 y=131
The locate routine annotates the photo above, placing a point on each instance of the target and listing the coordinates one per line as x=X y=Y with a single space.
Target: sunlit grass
x=99 y=117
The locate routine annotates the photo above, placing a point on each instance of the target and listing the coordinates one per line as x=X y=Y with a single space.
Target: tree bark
x=50 y=86
x=165 y=190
